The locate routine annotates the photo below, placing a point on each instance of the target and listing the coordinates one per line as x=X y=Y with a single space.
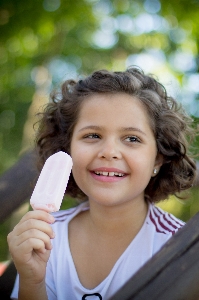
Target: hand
x=30 y=245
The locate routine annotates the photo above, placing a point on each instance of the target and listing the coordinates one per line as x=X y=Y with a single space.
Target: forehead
x=120 y=108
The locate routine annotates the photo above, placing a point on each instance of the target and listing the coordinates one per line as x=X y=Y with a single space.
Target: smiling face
x=113 y=149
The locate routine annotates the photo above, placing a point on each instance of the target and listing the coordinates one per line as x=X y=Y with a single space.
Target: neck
x=115 y=220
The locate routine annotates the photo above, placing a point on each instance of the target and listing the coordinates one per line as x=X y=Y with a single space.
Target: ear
x=158 y=163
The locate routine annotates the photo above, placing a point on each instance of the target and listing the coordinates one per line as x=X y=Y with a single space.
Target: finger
x=33 y=224
x=38 y=215
x=16 y=238
x=30 y=245
x=36 y=235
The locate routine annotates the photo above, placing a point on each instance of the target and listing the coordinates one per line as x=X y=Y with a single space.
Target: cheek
x=142 y=164
x=76 y=157
x=76 y=171
x=79 y=164
x=80 y=175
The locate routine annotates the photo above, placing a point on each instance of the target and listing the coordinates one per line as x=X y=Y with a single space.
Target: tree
x=75 y=37
x=44 y=42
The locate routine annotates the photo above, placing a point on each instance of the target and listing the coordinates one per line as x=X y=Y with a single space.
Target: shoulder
x=67 y=215
x=163 y=221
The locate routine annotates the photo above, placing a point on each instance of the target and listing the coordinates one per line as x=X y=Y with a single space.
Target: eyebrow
x=132 y=129
x=91 y=127
x=94 y=127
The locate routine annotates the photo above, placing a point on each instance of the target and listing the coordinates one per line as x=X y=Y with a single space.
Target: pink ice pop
x=51 y=184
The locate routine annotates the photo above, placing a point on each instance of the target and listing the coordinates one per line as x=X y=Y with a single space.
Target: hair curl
x=170 y=124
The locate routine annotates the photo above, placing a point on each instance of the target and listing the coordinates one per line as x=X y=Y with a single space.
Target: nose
x=110 y=150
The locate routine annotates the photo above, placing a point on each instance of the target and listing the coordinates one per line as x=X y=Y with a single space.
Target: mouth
x=109 y=174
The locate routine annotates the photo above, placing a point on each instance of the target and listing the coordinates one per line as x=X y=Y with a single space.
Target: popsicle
x=51 y=184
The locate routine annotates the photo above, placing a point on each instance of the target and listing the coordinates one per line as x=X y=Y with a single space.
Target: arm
x=30 y=247
x=29 y=291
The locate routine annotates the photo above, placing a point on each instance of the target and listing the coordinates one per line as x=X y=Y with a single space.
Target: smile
x=109 y=174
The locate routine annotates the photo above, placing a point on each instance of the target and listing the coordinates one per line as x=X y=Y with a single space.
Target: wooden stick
x=17 y=184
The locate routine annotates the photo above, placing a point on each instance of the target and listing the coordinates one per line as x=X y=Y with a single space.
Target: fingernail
x=52 y=219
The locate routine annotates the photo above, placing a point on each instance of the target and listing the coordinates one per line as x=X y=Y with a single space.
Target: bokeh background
x=44 y=42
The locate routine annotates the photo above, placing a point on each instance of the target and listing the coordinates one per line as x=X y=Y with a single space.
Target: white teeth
x=111 y=174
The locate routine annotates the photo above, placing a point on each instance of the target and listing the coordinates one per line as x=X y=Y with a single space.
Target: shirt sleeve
x=15 y=290
x=50 y=285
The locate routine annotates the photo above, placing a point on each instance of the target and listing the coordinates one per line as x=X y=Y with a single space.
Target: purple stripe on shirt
x=155 y=224
x=166 y=228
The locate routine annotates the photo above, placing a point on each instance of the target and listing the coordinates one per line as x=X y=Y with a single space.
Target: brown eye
x=132 y=139
x=92 y=136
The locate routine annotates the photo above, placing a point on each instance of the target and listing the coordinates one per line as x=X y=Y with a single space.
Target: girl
x=127 y=139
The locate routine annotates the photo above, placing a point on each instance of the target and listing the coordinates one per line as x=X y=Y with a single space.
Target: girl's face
x=113 y=149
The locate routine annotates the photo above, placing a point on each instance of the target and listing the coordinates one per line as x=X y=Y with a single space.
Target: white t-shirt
x=62 y=280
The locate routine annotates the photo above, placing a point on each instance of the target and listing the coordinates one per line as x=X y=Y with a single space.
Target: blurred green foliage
x=182 y=209
x=44 y=42
x=76 y=37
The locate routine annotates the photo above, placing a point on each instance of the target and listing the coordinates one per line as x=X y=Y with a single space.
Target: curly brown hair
x=170 y=124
